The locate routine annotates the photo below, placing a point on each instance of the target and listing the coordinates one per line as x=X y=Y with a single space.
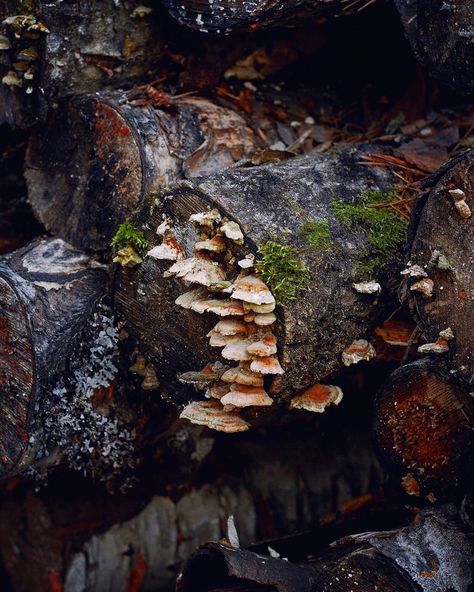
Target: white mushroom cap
x=269 y=365
x=359 y=350
x=212 y=415
x=206 y=218
x=246 y=396
x=457 y=194
x=265 y=346
x=197 y=270
x=233 y=232
x=163 y=227
x=169 y=250
x=217 y=391
x=237 y=350
x=440 y=346
x=425 y=286
x=242 y=375
x=186 y=300
x=260 y=308
x=415 y=271
x=216 y=244
x=218 y=340
x=264 y=320
x=252 y=289
x=230 y=327
x=222 y=308
x=247 y=262
x=371 y=287
x=317 y=398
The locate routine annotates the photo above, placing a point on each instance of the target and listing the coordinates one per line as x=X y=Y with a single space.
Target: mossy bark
x=271 y=203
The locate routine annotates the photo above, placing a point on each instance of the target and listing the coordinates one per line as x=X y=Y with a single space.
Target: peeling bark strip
x=441 y=34
x=48 y=291
x=223 y=16
x=52 y=49
x=100 y=157
x=424 y=427
x=432 y=555
x=274 y=205
x=442 y=247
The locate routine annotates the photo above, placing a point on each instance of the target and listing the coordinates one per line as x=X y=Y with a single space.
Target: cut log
x=307 y=219
x=442 y=239
x=48 y=292
x=317 y=476
x=424 y=427
x=100 y=157
x=441 y=34
x=49 y=50
x=432 y=554
x=223 y=16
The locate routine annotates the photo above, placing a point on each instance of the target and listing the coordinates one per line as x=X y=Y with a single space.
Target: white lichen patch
x=91 y=441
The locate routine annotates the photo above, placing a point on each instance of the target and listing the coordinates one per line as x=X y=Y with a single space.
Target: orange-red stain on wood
x=138 y=573
x=55 y=584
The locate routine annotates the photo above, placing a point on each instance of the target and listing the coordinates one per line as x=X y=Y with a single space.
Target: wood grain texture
x=48 y=292
x=100 y=157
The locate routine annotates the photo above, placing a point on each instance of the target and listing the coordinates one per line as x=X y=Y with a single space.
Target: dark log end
x=423 y=426
x=85 y=172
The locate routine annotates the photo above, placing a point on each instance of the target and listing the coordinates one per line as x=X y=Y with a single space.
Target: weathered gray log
x=278 y=207
x=48 y=292
x=316 y=476
x=424 y=427
x=100 y=157
x=432 y=554
x=223 y=16
x=49 y=50
x=441 y=244
x=441 y=35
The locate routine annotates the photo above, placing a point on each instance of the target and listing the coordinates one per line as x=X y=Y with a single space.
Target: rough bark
x=442 y=245
x=48 y=293
x=441 y=34
x=223 y=16
x=89 y=47
x=270 y=203
x=100 y=157
x=423 y=426
x=432 y=554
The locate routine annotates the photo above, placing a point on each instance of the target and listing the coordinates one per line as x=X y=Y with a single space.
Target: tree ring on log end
x=423 y=427
x=85 y=172
x=16 y=376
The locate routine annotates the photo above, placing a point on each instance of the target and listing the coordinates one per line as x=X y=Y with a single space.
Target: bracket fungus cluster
x=231 y=290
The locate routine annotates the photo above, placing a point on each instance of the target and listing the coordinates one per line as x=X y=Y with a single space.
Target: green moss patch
x=129 y=235
x=385 y=229
x=317 y=233
x=282 y=271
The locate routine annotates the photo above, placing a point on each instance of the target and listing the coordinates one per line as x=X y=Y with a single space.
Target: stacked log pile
x=242 y=315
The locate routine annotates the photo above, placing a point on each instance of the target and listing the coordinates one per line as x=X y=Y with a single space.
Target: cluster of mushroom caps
x=244 y=331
